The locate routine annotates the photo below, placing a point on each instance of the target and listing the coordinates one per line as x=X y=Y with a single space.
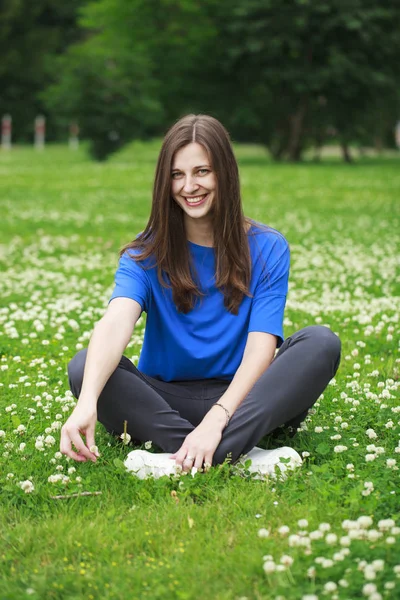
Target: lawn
x=331 y=529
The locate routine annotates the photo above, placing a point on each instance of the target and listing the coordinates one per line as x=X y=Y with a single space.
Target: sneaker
x=145 y=464
x=263 y=462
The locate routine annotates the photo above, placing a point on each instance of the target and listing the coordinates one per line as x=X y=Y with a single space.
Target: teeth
x=196 y=200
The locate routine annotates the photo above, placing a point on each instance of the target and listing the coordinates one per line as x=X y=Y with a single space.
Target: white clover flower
x=389 y=425
x=343 y=583
x=286 y=560
x=371 y=434
x=311 y=572
x=378 y=564
x=389 y=585
x=269 y=567
x=148 y=445
x=369 y=588
x=390 y=540
x=10 y=475
x=284 y=530
x=2 y=433
x=386 y=524
x=125 y=437
x=324 y=527
x=49 y=440
x=21 y=428
x=364 y=521
x=27 y=486
x=339 y=449
x=390 y=463
x=294 y=540
x=395 y=530
x=54 y=478
x=350 y=467
x=327 y=563
x=345 y=540
x=316 y=535
x=330 y=586
x=369 y=573
x=263 y=533
x=331 y=538
x=309 y=597
x=302 y=523
x=370 y=457
x=373 y=535
x=318 y=429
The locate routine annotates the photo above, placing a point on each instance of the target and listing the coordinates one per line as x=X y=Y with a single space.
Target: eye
x=203 y=171
x=176 y=175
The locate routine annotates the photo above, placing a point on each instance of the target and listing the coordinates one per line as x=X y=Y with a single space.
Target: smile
x=196 y=200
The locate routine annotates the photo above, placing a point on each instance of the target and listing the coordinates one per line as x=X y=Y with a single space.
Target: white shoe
x=263 y=462
x=145 y=464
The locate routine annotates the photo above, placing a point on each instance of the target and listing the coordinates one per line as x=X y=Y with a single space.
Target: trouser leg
x=150 y=414
x=297 y=376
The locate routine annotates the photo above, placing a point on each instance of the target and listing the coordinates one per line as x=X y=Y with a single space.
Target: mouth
x=195 y=200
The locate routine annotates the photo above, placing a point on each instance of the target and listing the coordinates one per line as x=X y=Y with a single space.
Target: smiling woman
x=213 y=284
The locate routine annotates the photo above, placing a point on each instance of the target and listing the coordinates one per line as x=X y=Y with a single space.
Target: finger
x=180 y=456
x=208 y=458
x=198 y=463
x=189 y=461
x=90 y=442
x=65 y=448
x=80 y=446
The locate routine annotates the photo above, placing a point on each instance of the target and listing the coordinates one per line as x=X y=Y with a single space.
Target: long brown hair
x=164 y=239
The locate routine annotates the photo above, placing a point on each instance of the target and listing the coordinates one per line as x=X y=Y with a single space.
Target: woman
x=213 y=284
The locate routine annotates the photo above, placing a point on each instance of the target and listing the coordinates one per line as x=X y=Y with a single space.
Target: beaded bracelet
x=228 y=416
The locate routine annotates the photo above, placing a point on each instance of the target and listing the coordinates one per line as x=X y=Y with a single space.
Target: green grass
x=63 y=219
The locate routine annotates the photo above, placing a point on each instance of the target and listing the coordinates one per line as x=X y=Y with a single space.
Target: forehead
x=191 y=155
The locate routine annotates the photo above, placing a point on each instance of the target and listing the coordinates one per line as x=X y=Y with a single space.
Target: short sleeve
x=131 y=281
x=271 y=290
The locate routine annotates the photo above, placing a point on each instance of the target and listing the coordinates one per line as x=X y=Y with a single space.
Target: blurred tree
x=138 y=56
x=30 y=32
x=312 y=66
x=284 y=73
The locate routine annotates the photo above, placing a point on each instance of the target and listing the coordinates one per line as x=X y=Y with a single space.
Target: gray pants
x=166 y=412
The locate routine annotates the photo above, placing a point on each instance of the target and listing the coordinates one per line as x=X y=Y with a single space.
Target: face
x=194 y=183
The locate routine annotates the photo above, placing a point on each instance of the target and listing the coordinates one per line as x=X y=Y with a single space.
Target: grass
x=63 y=220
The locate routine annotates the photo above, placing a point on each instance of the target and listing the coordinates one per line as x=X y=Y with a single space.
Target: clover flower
x=27 y=486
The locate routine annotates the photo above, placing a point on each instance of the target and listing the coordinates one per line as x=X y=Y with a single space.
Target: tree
x=30 y=32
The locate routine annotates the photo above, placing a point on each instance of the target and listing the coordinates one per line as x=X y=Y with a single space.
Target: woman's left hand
x=199 y=446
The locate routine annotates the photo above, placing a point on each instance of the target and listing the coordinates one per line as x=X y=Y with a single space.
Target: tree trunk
x=295 y=145
x=346 y=152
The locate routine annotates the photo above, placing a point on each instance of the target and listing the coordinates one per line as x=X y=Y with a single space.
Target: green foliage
x=31 y=33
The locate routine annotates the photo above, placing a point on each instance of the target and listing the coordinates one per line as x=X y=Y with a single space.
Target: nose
x=190 y=184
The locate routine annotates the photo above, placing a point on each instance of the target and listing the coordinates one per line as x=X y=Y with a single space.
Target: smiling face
x=194 y=184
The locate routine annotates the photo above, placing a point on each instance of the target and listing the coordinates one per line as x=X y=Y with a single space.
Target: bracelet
x=228 y=416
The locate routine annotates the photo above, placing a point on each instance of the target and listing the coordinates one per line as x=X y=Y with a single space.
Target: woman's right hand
x=81 y=422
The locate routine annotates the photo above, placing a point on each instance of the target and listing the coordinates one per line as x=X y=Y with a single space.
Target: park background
x=310 y=94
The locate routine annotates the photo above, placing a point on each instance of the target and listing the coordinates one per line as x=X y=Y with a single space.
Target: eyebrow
x=198 y=167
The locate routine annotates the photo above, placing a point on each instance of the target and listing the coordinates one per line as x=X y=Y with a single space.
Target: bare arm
x=258 y=354
x=202 y=442
x=109 y=339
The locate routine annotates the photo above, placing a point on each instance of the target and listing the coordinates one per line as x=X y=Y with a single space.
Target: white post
x=397 y=134
x=73 y=136
x=6 y=127
x=40 y=130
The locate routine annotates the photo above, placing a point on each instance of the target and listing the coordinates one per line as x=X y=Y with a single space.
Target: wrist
x=220 y=415
x=87 y=402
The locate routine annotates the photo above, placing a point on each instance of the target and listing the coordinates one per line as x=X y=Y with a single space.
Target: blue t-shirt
x=207 y=342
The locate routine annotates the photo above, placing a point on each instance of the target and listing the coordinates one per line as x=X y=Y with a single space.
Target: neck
x=200 y=231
